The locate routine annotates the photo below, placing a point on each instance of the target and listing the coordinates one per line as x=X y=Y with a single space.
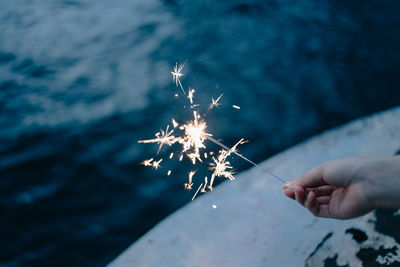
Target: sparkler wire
x=239 y=155
x=244 y=158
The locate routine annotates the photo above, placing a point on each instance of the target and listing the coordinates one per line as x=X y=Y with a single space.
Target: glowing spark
x=171 y=155
x=177 y=74
x=169 y=172
x=181 y=157
x=174 y=123
x=214 y=206
x=203 y=190
x=234 y=106
x=147 y=162
x=205 y=155
x=195 y=194
x=214 y=103
x=156 y=164
x=162 y=138
x=193 y=157
x=189 y=184
x=221 y=167
x=194 y=137
x=190 y=95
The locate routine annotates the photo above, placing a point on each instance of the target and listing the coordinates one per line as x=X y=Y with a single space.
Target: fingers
x=317 y=204
x=300 y=194
x=295 y=192
x=312 y=204
x=323 y=200
x=324 y=211
x=289 y=193
x=324 y=190
x=289 y=184
x=312 y=178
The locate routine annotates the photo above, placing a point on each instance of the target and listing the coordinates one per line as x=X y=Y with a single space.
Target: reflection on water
x=82 y=81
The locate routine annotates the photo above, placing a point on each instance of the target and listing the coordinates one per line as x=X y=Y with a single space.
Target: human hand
x=335 y=189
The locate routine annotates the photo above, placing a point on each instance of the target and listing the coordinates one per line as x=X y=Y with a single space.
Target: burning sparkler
x=192 y=139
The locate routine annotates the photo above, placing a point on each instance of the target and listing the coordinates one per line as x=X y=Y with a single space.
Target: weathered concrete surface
x=255 y=225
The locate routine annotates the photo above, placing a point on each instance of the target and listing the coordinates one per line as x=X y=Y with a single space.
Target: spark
x=214 y=206
x=156 y=164
x=169 y=172
x=177 y=74
x=189 y=184
x=174 y=123
x=221 y=167
x=195 y=194
x=147 y=162
x=181 y=157
x=171 y=155
x=234 y=106
x=214 y=103
x=194 y=137
x=193 y=157
x=205 y=155
x=162 y=138
x=203 y=190
x=190 y=95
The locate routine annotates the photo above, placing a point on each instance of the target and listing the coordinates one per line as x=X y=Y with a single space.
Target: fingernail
x=289 y=184
x=287 y=191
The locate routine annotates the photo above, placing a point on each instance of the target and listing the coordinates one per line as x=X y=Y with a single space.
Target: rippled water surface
x=82 y=81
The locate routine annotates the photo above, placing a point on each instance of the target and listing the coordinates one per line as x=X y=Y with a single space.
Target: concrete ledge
x=255 y=225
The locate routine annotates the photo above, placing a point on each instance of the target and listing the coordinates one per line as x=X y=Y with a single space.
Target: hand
x=335 y=189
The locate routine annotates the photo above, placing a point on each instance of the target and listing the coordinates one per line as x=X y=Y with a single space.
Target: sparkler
x=192 y=139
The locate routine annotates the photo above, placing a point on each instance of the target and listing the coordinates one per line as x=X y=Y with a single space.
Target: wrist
x=380 y=178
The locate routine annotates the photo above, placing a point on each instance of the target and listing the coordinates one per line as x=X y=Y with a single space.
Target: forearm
x=381 y=180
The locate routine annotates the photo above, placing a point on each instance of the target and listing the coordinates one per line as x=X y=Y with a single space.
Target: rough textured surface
x=255 y=225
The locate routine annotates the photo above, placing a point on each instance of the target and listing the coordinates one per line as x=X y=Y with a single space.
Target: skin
x=349 y=187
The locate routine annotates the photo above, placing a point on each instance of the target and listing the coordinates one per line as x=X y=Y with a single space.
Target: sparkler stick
x=244 y=158
x=198 y=189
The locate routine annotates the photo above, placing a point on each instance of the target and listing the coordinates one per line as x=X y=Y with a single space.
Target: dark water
x=82 y=81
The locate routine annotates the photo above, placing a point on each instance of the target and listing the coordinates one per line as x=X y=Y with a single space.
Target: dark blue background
x=82 y=81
